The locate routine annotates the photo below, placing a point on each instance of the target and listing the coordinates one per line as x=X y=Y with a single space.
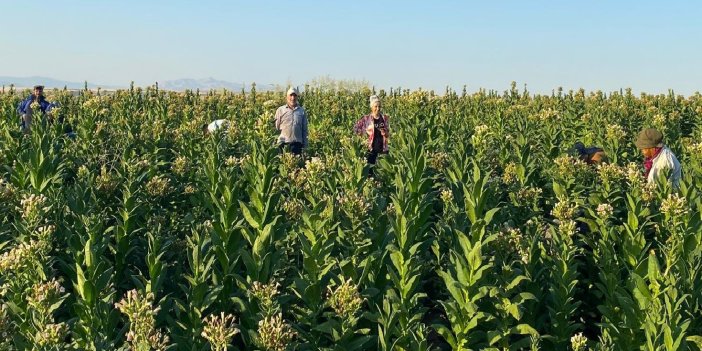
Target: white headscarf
x=373 y=100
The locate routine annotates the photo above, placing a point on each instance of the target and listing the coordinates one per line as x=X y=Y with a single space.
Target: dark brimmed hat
x=649 y=138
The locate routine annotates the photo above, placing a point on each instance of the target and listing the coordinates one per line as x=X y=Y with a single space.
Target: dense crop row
x=478 y=231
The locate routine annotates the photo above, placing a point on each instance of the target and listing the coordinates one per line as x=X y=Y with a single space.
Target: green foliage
x=477 y=231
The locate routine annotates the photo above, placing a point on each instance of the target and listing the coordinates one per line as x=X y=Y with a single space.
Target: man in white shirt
x=291 y=121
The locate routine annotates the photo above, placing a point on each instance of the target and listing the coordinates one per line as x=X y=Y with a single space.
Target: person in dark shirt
x=376 y=126
x=591 y=155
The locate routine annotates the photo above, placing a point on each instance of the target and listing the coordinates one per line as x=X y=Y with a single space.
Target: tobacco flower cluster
x=274 y=334
x=605 y=210
x=265 y=294
x=345 y=300
x=512 y=240
x=567 y=228
x=233 y=161
x=674 y=206
x=219 y=330
x=509 y=175
x=528 y=194
x=480 y=134
x=142 y=333
x=293 y=208
x=439 y=160
x=106 y=181
x=633 y=174
x=33 y=207
x=44 y=295
x=354 y=204
x=23 y=255
x=569 y=167
x=615 y=132
x=609 y=172
x=158 y=186
x=446 y=196
x=578 y=342
x=52 y=336
x=180 y=165
x=564 y=210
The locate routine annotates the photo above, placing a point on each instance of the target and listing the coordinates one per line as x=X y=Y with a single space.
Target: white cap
x=292 y=91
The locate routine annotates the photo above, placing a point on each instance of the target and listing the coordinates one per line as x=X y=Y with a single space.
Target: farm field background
x=477 y=232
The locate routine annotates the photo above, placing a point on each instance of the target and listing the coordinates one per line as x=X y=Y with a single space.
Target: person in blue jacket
x=36 y=102
x=27 y=109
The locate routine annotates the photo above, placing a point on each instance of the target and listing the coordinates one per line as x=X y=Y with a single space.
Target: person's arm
x=22 y=107
x=304 y=130
x=45 y=106
x=359 y=127
x=278 y=114
x=672 y=164
x=387 y=126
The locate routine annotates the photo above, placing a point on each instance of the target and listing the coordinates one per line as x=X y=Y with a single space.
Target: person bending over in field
x=658 y=157
x=591 y=155
x=216 y=125
x=375 y=126
x=33 y=104
x=291 y=121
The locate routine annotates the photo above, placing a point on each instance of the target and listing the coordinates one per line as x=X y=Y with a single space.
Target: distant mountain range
x=28 y=82
x=204 y=84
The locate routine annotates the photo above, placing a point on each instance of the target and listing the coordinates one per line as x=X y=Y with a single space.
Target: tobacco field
x=478 y=231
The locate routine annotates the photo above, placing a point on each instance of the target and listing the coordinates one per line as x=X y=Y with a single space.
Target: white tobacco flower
x=605 y=210
x=674 y=206
x=218 y=330
x=578 y=342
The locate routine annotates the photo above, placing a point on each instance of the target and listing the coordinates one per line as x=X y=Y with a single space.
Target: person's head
x=596 y=157
x=291 y=97
x=38 y=90
x=589 y=155
x=375 y=105
x=648 y=141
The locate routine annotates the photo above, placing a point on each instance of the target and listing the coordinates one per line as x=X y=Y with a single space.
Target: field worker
x=25 y=109
x=291 y=121
x=375 y=126
x=215 y=126
x=657 y=157
x=591 y=155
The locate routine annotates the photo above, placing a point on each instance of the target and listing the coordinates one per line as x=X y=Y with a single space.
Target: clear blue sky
x=594 y=44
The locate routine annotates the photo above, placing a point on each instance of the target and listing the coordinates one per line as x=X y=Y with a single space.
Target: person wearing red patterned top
x=375 y=126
